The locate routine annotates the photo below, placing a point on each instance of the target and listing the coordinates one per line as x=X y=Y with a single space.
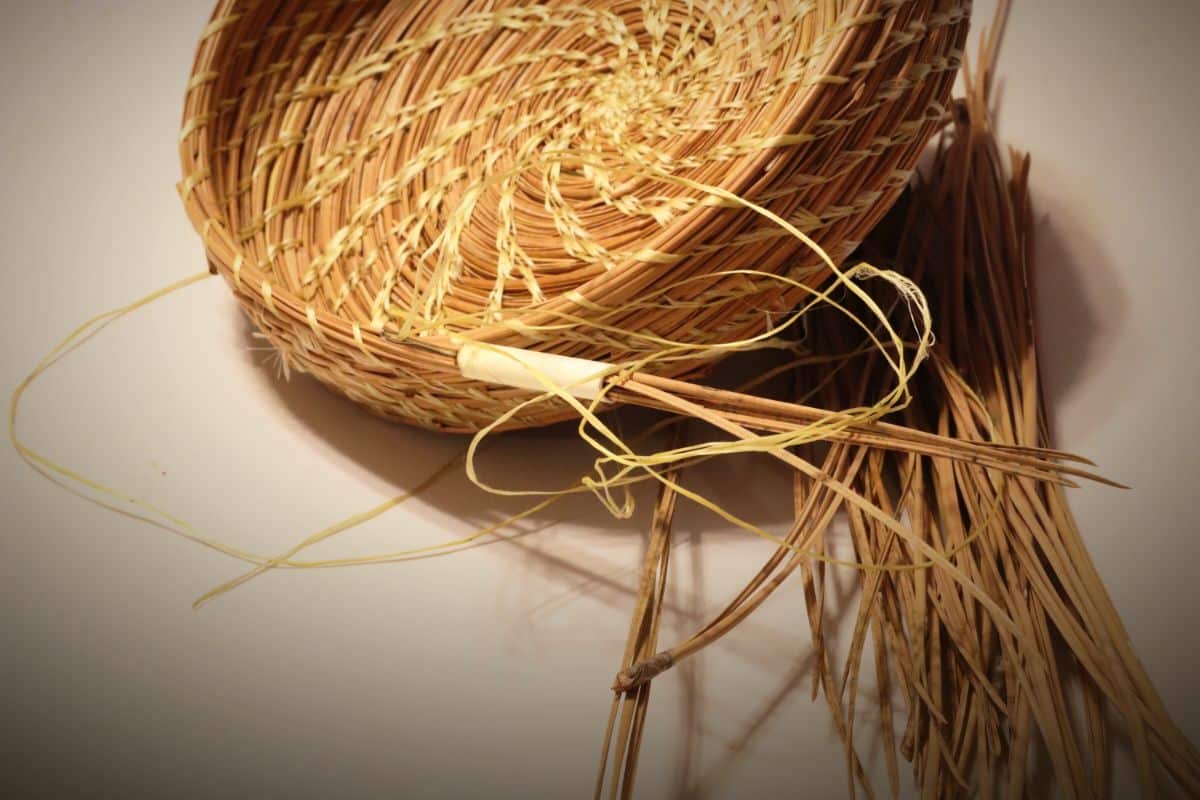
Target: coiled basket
x=379 y=181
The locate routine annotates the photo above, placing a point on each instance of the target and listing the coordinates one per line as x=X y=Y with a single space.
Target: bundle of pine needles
x=1008 y=651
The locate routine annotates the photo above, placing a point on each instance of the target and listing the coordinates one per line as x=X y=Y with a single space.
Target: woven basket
x=379 y=181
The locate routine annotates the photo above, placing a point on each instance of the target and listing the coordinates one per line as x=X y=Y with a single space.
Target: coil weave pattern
x=377 y=179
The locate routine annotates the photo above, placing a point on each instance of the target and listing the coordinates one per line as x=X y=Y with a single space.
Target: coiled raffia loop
x=380 y=180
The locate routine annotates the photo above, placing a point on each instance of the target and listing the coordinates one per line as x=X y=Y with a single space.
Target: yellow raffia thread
x=767 y=443
x=602 y=487
x=775 y=444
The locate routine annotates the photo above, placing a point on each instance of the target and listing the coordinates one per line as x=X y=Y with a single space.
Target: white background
x=487 y=671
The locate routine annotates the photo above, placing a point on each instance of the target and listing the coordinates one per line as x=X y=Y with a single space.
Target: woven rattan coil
x=379 y=181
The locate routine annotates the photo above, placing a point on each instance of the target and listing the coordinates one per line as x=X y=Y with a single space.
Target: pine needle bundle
x=1009 y=651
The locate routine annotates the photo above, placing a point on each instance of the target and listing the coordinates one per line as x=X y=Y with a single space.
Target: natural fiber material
x=1020 y=686
x=382 y=183
x=376 y=179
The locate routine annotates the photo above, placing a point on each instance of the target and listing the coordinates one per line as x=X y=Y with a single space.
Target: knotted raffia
x=379 y=181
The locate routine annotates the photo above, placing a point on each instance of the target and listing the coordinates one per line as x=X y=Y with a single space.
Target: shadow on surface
x=1081 y=310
